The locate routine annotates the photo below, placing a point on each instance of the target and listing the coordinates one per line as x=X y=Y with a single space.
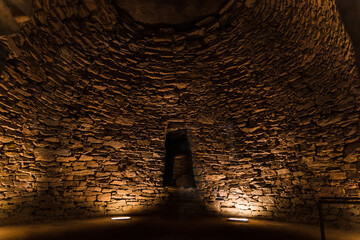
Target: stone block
x=283 y=171
x=104 y=197
x=338 y=176
x=85 y=158
x=6 y=139
x=115 y=144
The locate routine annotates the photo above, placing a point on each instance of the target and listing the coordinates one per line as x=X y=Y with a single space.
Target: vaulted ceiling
x=269 y=91
x=169 y=11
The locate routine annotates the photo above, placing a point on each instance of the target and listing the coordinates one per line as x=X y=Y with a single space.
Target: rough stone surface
x=268 y=90
x=169 y=11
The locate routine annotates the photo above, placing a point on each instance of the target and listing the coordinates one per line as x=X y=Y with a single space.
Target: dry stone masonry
x=268 y=90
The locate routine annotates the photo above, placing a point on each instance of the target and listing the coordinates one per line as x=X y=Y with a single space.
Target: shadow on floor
x=163 y=228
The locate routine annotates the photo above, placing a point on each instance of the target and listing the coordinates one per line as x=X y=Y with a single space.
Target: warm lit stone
x=115 y=144
x=86 y=158
x=5 y=139
x=269 y=103
x=104 y=197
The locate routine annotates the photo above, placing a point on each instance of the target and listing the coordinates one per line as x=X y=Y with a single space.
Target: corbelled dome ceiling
x=170 y=11
x=267 y=92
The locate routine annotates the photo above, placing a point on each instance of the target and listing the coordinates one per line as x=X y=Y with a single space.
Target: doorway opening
x=178 y=162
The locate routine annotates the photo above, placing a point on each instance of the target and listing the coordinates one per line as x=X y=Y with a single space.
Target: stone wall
x=268 y=90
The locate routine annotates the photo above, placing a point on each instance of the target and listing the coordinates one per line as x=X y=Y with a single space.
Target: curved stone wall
x=268 y=91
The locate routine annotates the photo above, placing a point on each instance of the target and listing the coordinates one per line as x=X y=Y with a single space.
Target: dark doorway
x=178 y=164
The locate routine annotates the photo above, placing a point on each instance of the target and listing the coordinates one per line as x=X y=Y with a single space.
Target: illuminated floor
x=166 y=229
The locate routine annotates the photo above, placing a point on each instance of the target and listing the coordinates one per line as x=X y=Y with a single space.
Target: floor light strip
x=120 y=218
x=238 y=219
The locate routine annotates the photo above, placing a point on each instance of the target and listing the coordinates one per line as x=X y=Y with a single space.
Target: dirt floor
x=160 y=229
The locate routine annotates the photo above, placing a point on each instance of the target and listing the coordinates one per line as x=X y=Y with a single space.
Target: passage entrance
x=178 y=164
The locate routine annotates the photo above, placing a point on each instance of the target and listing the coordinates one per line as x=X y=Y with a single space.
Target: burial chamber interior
x=267 y=93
